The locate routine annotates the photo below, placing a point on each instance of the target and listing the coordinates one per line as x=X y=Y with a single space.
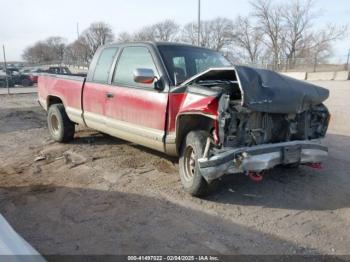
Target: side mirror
x=144 y=76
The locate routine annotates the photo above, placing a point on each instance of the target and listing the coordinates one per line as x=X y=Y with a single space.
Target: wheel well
x=53 y=100
x=189 y=122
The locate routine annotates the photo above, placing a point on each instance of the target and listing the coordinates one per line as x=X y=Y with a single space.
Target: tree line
x=273 y=32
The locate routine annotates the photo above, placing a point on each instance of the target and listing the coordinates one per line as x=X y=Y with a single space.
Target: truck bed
x=68 y=88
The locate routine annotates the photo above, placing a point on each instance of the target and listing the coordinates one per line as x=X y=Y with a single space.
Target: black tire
x=192 y=149
x=60 y=127
x=3 y=83
x=26 y=82
x=292 y=166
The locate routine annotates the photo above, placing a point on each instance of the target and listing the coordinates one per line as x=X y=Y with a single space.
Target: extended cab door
x=96 y=88
x=135 y=111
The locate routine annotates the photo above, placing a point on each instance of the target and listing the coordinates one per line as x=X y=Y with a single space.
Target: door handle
x=109 y=95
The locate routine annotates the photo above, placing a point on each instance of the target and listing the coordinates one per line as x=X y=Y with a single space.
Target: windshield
x=183 y=62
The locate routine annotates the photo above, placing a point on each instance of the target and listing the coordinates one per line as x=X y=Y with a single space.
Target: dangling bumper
x=261 y=157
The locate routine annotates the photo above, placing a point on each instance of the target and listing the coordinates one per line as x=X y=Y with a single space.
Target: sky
x=23 y=22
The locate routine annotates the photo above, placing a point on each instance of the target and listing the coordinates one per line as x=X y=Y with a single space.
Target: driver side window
x=133 y=58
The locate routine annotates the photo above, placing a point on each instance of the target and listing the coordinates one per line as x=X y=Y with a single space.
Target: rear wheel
x=192 y=149
x=25 y=82
x=60 y=127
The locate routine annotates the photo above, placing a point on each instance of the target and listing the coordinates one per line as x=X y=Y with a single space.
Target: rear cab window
x=104 y=64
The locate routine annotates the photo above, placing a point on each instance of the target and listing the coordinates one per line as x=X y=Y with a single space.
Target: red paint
x=33 y=78
x=255 y=176
x=314 y=165
x=94 y=98
x=182 y=103
x=139 y=106
x=142 y=107
x=69 y=91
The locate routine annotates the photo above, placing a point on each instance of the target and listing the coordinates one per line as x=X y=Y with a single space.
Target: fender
x=193 y=111
x=64 y=89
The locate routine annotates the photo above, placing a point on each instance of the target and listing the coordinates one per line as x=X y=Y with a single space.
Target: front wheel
x=192 y=149
x=60 y=127
x=292 y=166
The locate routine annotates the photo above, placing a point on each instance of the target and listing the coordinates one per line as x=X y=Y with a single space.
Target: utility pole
x=78 y=31
x=199 y=23
x=315 y=62
x=5 y=65
x=347 y=61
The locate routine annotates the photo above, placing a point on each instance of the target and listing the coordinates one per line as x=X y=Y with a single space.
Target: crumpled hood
x=268 y=91
x=265 y=90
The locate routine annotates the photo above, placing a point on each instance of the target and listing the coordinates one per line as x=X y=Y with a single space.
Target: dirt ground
x=101 y=195
x=18 y=90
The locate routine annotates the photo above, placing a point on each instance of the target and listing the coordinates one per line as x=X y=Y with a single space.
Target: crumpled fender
x=201 y=105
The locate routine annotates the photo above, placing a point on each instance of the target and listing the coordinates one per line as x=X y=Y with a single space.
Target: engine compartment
x=260 y=106
x=239 y=126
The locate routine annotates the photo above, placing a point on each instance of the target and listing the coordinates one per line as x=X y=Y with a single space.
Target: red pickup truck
x=191 y=102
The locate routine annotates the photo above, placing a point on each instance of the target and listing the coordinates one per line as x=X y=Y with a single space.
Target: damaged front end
x=261 y=157
x=264 y=120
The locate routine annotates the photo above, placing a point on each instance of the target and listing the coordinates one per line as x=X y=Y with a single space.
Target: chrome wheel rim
x=190 y=163
x=55 y=124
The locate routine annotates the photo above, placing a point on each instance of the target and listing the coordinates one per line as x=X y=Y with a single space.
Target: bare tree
x=216 y=34
x=29 y=55
x=274 y=32
x=166 y=31
x=77 y=53
x=70 y=54
x=189 y=33
x=54 y=49
x=234 y=55
x=249 y=38
x=220 y=33
x=288 y=31
x=56 y=46
x=49 y=50
x=145 y=34
x=33 y=54
x=320 y=42
x=124 y=37
x=97 y=34
x=298 y=16
x=270 y=21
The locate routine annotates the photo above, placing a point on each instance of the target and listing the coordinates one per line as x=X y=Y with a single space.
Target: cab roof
x=156 y=44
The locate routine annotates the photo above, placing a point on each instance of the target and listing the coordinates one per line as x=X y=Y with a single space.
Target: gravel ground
x=101 y=195
x=19 y=90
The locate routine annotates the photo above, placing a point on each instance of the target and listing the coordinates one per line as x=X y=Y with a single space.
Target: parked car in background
x=62 y=70
x=2 y=78
x=14 y=77
x=58 y=70
x=33 y=74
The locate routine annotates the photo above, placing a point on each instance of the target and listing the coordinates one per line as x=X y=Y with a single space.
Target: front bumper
x=261 y=157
